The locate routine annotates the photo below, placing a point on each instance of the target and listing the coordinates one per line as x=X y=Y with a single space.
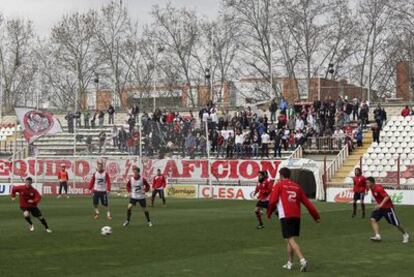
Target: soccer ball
x=106 y=231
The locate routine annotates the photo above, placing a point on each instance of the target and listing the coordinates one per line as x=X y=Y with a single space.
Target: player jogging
x=384 y=208
x=158 y=185
x=263 y=189
x=100 y=185
x=360 y=188
x=29 y=197
x=63 y=177
x=287 y=197
x=137 y=186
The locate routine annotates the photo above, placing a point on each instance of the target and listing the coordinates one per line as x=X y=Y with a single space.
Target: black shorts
x=262 y=204
x=290 y=227
x=33 y=211
x=158 y=191
x=359 y=196
x=142 y=202
x=100 y=196
x=388 y=213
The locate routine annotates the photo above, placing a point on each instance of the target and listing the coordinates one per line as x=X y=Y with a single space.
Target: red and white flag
x=37 y=123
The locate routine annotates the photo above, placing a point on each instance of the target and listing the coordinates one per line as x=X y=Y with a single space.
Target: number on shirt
x=138 y=188
x=292 y=196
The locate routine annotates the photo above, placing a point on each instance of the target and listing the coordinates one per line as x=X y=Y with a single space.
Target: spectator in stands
x=102 y=139
x=292 y=141
x=339 y=137
x=298 y=139
x=255 y=143
x=380 y=116
x=202 y=143
x=111 y=114
x=355 y=109
x=283 y=105
x=239 y=140
x=230 y=145
x=273 y=110
x=405 y=112
x=114 y=135
x=375 y=132
x=300 y=124
x=135 y=135
x=190 y=145
x=359 y=136
x=77 y=116
x=122 y=139
x=70 y=117
x=265 y=138
x=339 y=104
x=285 y=138
x=131 y=123
x=277 y=140
x=101 y=118
x=348 y=111
x=135 y=112
x=89 y=146
x=86 y=118
x=363 y=114
x=220 y=145
x=412 y=111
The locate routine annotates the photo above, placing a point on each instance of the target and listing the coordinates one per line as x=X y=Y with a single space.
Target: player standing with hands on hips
x=63 y=177
x=158 y=185
x=360 y=188
x=29 y=197
x=287 y=197
x=100 y=185
x=137 y=186
x=263 y=188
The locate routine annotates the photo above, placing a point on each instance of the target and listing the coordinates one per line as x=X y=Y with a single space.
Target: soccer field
x=194 y=238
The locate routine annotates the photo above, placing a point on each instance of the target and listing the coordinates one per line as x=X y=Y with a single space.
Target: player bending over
x=137 y=186
x=100 y=185
x=29 y=197
x=287 y=197
x=158 y=185
x=360 y=188
x=384 y=208
x=263 y=188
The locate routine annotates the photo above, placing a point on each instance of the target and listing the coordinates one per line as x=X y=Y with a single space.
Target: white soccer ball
x=106 y=231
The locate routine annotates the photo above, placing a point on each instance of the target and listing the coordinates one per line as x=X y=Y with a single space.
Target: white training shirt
x=100 y=181
x=137 y=188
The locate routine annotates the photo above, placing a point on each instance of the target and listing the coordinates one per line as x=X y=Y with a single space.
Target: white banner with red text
x=6 y=188
x=346 y=195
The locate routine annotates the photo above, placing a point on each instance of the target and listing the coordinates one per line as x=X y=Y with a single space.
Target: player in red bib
x=63 y=178
x=29 y=197
x=287 y=197
x=158 y=185
x=360 y=188
x=263 y=189
x=384 y=208
x=100 y=186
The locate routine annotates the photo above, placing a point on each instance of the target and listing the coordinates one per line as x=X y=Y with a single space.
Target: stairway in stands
x=353 y=160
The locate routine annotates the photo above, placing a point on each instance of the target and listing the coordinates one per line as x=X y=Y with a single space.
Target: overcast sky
x=45 y=13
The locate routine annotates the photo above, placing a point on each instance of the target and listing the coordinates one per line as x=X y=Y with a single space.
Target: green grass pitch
x=194 y=238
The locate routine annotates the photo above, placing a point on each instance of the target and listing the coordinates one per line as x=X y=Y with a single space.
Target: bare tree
x=176 y=30
x=116 y=46
x=254 y=18
x=73 y=40
x=17 y=68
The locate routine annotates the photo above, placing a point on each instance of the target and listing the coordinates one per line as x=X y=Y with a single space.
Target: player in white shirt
x=137 y=186
x=100 y=186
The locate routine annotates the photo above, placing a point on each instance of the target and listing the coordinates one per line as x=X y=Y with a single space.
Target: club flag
x=37 y=123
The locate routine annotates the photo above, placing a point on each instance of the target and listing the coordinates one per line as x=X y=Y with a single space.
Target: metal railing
x=336 y=163
x=297 y=154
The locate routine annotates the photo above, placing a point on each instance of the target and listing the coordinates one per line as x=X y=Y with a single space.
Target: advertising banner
x=73 y=189
x=345 y=195
x=120 y=168
x=227 y=192
x=182 y=191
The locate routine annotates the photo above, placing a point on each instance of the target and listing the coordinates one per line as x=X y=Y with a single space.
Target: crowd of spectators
x=245 y=133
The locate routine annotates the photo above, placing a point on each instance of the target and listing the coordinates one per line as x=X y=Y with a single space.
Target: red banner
x=121 y=168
